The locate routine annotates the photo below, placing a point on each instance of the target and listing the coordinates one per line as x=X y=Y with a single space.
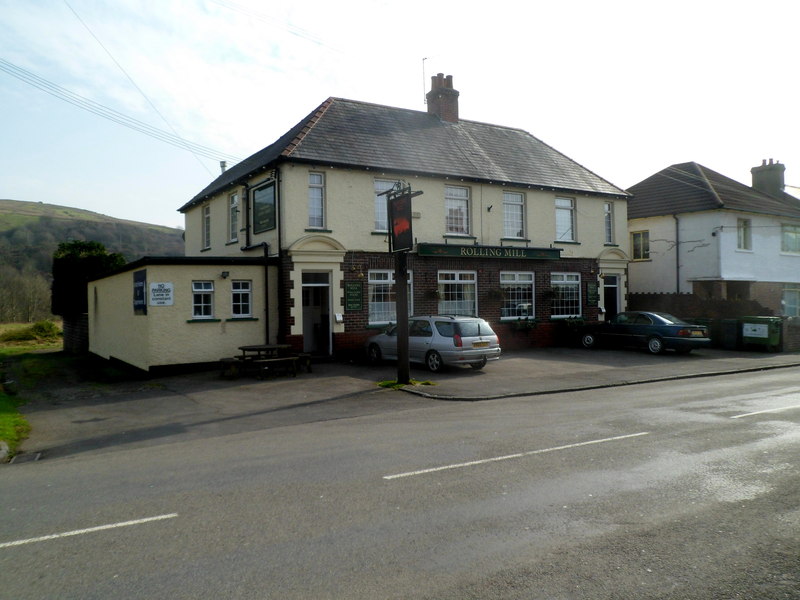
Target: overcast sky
x=626 y=88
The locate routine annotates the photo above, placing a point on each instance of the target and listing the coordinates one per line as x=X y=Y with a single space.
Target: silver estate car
x=440 y=340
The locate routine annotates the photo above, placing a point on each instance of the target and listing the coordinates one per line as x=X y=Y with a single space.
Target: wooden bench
x=272 y=366
x=230 y=367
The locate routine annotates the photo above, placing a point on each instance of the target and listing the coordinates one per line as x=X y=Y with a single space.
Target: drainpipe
x=246 y=199
x=677 y=255
x=265 y=245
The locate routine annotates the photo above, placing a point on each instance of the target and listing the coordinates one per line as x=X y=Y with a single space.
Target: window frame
x=381 y=221
x=206 y=228
x=316 y=204
x=202 y=289
x=514 y=215
x=744 y=234
x=373 y=280
x=233 y=217
x=462 y=280
x=517 y=279
x=793 y=231
x=569 y=280
x=608 y=222
x=456 y=202
x=241 y=298
x=794 y=289
x=571 y=211
x=644 y=236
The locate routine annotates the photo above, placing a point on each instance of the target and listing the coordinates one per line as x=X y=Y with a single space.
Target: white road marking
x=89 y=530
x=510 y=456
x=769 y=410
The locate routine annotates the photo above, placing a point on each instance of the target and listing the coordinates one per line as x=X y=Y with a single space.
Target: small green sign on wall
x=353 y=295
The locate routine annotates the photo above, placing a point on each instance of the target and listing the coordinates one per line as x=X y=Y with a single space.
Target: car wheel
x=588 y=340
x=478 y=365
x=433 y=360
x=374 y=354
x=655 y=345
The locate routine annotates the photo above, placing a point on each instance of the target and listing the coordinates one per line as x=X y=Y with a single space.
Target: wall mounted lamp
x=224 y=274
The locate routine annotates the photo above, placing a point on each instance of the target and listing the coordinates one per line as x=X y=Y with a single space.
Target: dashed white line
x=769 y=410
x=484 y=461
x=54 y=536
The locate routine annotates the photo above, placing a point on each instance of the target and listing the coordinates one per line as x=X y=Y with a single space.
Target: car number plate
x=697 y=333
x=480 y=344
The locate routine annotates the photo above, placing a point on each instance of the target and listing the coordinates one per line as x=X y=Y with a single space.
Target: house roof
x=690 y=187
x=356 y=134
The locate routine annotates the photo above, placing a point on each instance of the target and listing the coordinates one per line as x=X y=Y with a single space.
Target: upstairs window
x=316 y=200
x=790 y=238
x=513 y=215
x=456 y=205
x=241 y=298
x=608 y=221
x=381 y=216
x=206 y=227
x=744 y=236
x=202 y=299
x=233 y=217
x=565 y=219
x=640 y=243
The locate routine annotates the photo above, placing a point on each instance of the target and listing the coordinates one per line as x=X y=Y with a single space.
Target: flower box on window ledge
x=523 y=324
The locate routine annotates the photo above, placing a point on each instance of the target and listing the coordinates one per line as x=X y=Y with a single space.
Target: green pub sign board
x=353 y=295
x=488 y=251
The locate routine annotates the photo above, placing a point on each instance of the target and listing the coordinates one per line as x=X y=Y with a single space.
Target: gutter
x=677 y=254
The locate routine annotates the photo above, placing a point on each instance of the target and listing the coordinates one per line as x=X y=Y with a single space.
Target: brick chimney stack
x=443 y=99
x=768 y=178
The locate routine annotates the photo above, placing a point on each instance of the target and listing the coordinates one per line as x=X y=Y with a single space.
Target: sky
x=624 y=87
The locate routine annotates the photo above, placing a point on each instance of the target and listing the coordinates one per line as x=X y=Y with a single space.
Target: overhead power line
x=111 y=114
x=133 y=83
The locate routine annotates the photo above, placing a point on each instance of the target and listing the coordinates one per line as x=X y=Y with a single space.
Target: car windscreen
x=474 y=328
x=670 y=319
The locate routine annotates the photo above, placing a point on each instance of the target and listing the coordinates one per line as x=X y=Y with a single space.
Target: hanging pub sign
x=139 y=295
x=400 y=221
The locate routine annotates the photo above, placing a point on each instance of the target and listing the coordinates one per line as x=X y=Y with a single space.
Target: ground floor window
x=457 y=293
x=791 y=300
x=382 y=297
x=202 y=299
x=241 y=299
x=566 y=295
x=518 y=296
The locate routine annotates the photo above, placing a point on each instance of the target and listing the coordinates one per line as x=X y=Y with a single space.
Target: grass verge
x=13 y=426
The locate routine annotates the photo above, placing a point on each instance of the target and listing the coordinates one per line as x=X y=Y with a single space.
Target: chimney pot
x=443 y=99
x=768 y=178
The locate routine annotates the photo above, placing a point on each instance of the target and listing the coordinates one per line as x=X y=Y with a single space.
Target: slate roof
x=690 y=187
x=349 y=133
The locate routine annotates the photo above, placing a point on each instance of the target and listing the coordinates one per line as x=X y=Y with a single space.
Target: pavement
x=75 y=417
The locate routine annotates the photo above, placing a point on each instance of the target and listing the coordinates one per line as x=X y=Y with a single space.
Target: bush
x=43 y=330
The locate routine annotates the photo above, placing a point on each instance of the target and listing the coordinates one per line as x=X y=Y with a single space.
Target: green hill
x=31 y=231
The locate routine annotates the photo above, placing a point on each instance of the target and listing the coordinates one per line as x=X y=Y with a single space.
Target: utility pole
x=401 y=240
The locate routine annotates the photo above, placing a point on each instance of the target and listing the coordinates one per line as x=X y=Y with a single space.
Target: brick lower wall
x=76 y=334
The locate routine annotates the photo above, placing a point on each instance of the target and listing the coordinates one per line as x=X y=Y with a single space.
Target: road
x=688 y=489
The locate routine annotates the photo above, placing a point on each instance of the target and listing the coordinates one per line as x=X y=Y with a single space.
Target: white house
x=695 y=231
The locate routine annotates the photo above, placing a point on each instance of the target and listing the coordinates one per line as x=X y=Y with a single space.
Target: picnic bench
x=264 y=360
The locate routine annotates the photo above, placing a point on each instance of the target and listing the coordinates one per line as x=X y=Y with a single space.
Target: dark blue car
x=655 y=331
